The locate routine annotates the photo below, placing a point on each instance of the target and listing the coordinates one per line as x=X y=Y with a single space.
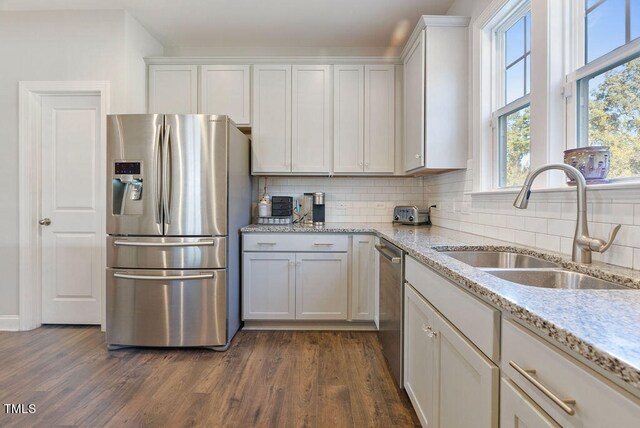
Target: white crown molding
x=433 y=21
x=9 y=323
x=209 y=60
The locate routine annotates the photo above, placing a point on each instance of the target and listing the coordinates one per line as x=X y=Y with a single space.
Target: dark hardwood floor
x=274 y=378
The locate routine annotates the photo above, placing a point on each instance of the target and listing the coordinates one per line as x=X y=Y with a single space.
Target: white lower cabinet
x=363 y=278
x=310 y=277
x=517 y=410
x=449 y=381
x=288 y=286
x=269 y=286
x=571 y=393
x=321 y=286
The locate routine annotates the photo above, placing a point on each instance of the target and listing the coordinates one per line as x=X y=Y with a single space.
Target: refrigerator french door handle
x=165 y=277
x=158 y=195
x=166 y=193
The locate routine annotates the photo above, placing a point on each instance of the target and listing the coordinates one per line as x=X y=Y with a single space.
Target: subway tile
x=534 y=224
x=561 y=227
x=613 y=213
x=525 y=238
x=549 y=210
x=508 y=235
x=548 y=242
x=514 y=222
x=566 y=245
x=618 y=255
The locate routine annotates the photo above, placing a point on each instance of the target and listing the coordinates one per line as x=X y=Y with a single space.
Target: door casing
x=29 y=179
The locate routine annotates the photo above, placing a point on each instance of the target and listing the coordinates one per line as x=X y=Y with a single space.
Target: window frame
x=575 y=95
x=511 y=14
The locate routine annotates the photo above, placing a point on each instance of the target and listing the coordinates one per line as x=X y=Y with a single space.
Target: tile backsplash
x=350 y=199
x=549 y=221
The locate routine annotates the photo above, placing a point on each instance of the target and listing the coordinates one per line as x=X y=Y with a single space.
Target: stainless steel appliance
x=318 y=209
x=178 y=190
x=391 y=298
x=411 y=215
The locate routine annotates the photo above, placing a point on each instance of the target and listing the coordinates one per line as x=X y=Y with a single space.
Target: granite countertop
x=601 y=326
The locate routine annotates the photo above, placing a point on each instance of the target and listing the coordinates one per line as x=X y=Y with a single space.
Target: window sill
x=617 y=188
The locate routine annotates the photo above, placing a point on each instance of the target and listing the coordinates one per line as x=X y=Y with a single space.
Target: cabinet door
x=311 y=119
x=467 y=380
x=271 y=130
x=362 y=278
x=224 y=89
x=173 y=89
x=268 y=286
x=348 y=118
x=321 y=286
x=420 y=358
x=379 y=122
x=517 y=410
x=414 y=87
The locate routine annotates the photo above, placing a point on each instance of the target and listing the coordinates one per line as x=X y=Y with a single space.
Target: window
x=512 y=115
x=608 y=85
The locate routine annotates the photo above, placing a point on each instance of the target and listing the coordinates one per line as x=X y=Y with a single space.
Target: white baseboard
x=9 y=323
x=310 y=325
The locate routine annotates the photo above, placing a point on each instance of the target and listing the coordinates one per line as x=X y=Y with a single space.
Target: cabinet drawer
x=475 y=319
x=597 y=403
x=296 y=242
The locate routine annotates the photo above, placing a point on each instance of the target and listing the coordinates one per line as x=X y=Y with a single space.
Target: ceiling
x=264 y=23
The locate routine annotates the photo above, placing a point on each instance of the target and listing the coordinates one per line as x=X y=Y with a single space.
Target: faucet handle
x=600 y=246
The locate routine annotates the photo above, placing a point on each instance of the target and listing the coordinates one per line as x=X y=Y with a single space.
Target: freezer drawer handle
x=387 y=255
x=167 y=277
x=209 y=243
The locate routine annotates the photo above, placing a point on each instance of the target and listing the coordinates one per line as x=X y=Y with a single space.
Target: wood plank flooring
x=266 y=379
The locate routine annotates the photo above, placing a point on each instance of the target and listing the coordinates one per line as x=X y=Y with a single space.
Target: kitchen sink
x=555 y=278
x=500 y=259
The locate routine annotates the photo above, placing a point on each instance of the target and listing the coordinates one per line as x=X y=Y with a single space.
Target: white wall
x=549 y=222
x=138 y=45
x=57 y=45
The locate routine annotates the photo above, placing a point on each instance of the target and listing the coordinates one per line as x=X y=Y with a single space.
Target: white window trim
x=575 y=31
x=548 y=107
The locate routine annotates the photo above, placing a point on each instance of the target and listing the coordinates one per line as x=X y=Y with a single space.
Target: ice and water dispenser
x=127 y=185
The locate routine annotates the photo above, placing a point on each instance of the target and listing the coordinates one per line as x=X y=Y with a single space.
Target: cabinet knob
x=429 y=331
x=44 y=221
x=418 y=156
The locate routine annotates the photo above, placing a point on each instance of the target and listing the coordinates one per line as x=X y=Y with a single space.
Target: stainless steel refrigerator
x=178 y=191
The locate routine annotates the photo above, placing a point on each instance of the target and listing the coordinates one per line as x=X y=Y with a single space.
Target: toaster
x=411 y=215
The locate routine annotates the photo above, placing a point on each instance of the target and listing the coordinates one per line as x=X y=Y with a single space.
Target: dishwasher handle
x=382 y=249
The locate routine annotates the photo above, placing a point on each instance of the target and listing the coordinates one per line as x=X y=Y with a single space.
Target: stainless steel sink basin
x=500 y=259
x=555 y=278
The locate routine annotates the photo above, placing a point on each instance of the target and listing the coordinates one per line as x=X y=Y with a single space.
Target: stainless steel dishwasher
x=391 y=298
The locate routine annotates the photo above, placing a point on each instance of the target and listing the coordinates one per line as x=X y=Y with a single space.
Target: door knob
x=45 y=221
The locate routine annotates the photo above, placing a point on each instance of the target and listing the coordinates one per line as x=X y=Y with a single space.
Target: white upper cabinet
x=379 y=118
x=311 y=119
x=226 y=89
x=271 y=128
x=414 y=105
x=435 y=95
x=173 y=89
x=206 y=89
x=364 y=119
x=348 y=118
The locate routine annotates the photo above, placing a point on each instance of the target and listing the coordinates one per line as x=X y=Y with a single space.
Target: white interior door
x=72 y=197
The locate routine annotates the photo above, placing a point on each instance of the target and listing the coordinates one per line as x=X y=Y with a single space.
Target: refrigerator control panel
x=127 y=168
